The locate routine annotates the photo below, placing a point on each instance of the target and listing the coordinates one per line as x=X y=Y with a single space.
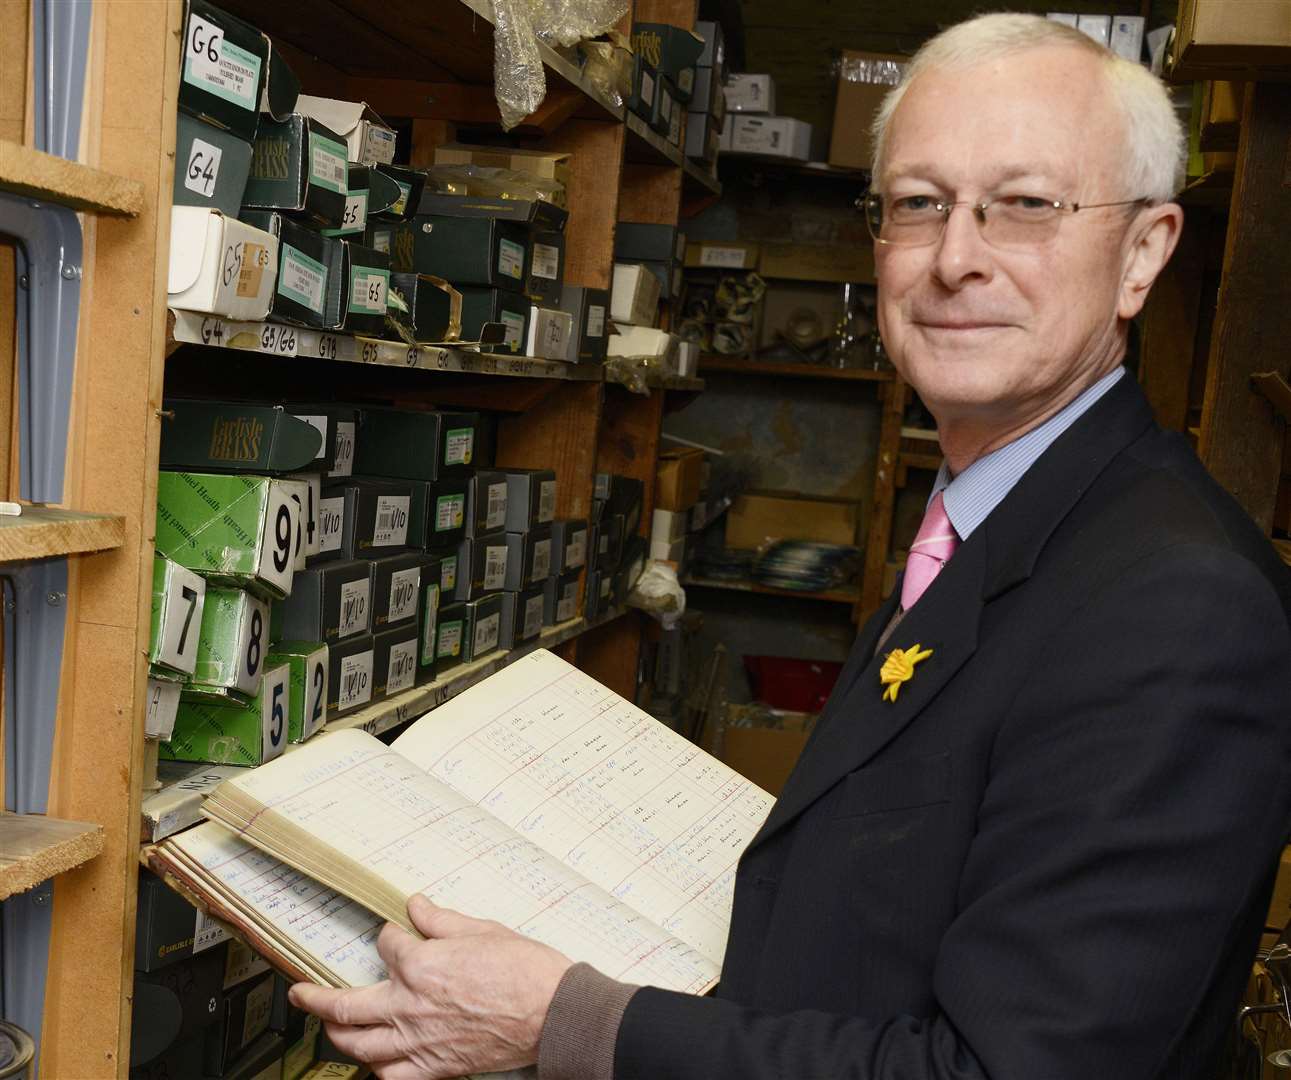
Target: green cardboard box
x=350 y=683
x=306 y=661
x=234 y=529
x=394 y=659
x=235 y=435
x=298 y=166
x=483 y=305
x=211 y=166
x=231 y=645
x=223 y=70
x=450 y=638
x=232 y=733
x=410 y=182
x=416 y=445
x=178 y=597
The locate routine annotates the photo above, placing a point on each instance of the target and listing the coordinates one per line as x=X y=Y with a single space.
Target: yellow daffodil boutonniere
x=898 y=667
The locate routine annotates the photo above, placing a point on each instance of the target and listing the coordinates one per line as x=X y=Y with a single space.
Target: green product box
x=673 y=50
x=178 y=598
x=416 y=445
x=432 y=309
x=298 y=166
x=223 y=70
x=468 y=250
x=482 y=305
x=441 y=566
x=234 y=529
x=307 y=290
x=450 y=638
x=394 y=659
x=211 y=166
x=306 y=662
x=350 y=683
x=482 y=627
x=365 y=273
x=396 y=582
x=235 y=435
x=231 y=644
x=427 y=624
x=232 y=733
x=410 y=183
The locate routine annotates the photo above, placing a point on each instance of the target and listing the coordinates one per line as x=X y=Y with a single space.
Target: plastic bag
x=487 y=181
x=659 y=593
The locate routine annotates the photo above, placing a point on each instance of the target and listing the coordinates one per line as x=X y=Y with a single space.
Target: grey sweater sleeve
x=582 y=1026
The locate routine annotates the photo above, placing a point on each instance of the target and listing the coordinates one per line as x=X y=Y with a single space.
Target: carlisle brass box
x=235 y=435
x=298 y=166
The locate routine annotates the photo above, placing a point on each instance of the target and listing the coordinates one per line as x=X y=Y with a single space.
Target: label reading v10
x=595 y=321
x=344 y=465
x=510 y=258
x=545 y=261
x=302 y=279
x=356 y=680
x=392 y=521
x=497 y=506
x=495 y=567
x=354 y=607
x=448 y=640
x=532 y=617
x=368 y=288
x=203 y=168
x=546 y=501
x=403 y=594
x=486 y=635
x=515 y=330
x=731 y=258
x=541 y=560
x=218 y=66
x=449 y=512
x=459 y=446
x=331 y=523
x=327 y=165
x=402 y=671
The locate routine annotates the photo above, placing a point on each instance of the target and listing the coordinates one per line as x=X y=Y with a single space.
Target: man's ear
x=1151 y=243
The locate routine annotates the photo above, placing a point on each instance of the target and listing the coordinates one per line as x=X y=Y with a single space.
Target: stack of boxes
x=706 y=120
x=679 y=510
x=754 y=129
x=648 y=260
x=616 y=551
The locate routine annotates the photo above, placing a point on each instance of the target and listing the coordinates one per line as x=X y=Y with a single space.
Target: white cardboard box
x=669 y=551
x=768 y=136
x=549 y=334
x=634 y=298
x=668 y=525
x=646 y=341
x=368 y=140
x=687 y=358
x=1099 y=27
x=1127 y=36
x=750 y=94
x=220 y=265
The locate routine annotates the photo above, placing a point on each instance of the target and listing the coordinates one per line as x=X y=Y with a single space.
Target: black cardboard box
x=536 y=213
x=226 y=62
x=673 y=50
x=470 y=251
x=523 y=616
x=509 y=309
x=560 y=597
x=394 y=659
x=244 y=1018
x=211 y=166
x=416 y=445
x=299 y=166
x=482 y=565
x=396 y=586
x=377 y=515
x=339 y=425
x=434 y=307
x=482 y=627
x=589 y=308
x=486 y=502
x=665 y=105
x=307 y=290
x=328 y=603
x=410 y=183
x=528 y=557
x=164 y=925
x=349 y=676
x=366 y=274
x=176 y=1002
x=645 y=80
x=442 y=566
x=545 y=281
x=450 y=639
x=531 y=498
x=569 y=537
x=235 y=436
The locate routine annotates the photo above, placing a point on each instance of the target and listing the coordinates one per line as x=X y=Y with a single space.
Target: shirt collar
x=974 y=493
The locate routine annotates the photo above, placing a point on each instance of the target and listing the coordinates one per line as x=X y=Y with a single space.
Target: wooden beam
x=41 y=532
x=35 y=848
x=1241 y=436
x=30 y=172
x=879 y=528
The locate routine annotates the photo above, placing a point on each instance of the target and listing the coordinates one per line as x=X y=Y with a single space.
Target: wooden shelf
x=839 y=596
x=42 y=532
x=711 y=363
x=35 y=848
x=819 y=170
x=30 y=172
x=1284 y=549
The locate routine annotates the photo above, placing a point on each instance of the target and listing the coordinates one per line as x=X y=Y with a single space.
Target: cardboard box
x=608 y=542
x=307 y=666
x=703 y=137
x=394 y=659
x=396 y=585
x=338 y=425
x=434 y=307
x=531 y=498
x=709 y=97
x=667 y=526
x=670 y=551
x=450 y=642
x=349 y=675
x=299 y=166
x=522 y=615
x=377 y=516
x=470 y=251
x=544 y=165
x=368 y=140
x=358 y=194
x=646 y=341
x=645 y=80
x=549 y=333
x=232 y=645
x=714 y=51
x=162 y=706
x=545 y=279
x=482 y=565
x=754 y=520
x=164 y=925
x=766 y=755
x=411 y=184
x=569 y=539
x=864 y=80
x=665 y=105
x=234 y=529
x=440 y=512
x=1231 y=39
x=211 y=167
x=366 y=274
x=175 y=1002
x=677 y=478
x=223 y=70
x=634 y=297
x=643 y=242
x=768 y=136
x=236 y=435
x=482 y=627
x=417 y=445
x=588 y=308
x=747 y=93
x=502 y=306
x=598 y=597
x=232 y=733
x=486 y=503
x=528 y=557
x=442 y=566
x=330 y=602
x=178 y=597
x=673 y=50
x=244 y=1020
x=307 y=287
x=220 y=265
x=560 y=597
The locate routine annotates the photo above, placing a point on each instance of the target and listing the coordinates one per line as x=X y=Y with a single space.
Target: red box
x=787 y=683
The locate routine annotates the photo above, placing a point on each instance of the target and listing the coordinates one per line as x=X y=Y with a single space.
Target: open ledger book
x=537 y=798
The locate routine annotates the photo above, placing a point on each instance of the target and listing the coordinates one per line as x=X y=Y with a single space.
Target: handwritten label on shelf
x=729 y=258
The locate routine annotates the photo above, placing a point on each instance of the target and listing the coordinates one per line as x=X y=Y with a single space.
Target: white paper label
x=275 y=707
x=731 y=258
x=510 y=259
x=486 y=635
x=448 y=574
x=403 y=593
x=459 y=446
x=448 y=639
x=647 y=88
x=219 y=66
x=392 y=521
x=207 y=933
x=495 y=566
x=532 y=617
x=545 y=261
x=567 y=605
x=327 y=165
x=450 y=512
x=355 y=217
x=281 y=524
x=595 y=321
x=331 y=523
x=203 y=169
x=181 y=618
x=368 y=291
x=354 y=607
x=576 y=550
x=356 y=680
x=497 y=506
x=313 y=485
x=605 y=587
x=429 y=621
x=302 y=279
x=402 y=672
x=674 y=127
x=259 y=1004
x=541 y=560
x=514 y=338
x=546 y=501
x=378 y=144
x=163 y=704
x=298 y=492
x=344 y=449
x=315 y=693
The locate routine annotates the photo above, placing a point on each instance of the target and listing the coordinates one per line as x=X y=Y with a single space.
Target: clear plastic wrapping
x=857 y=69
x=490 y=182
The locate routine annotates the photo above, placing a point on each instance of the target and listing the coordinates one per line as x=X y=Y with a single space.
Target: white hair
x=1156 y=146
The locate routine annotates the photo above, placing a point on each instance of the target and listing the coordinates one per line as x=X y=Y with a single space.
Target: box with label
x=677 y=478
x=588 y=308
x=396 y=585
x=223 y=69
x=598 y=598
x=220 y=265
x=482 y=565
x=1232 y=39
x=560 y=597
x=162 y=704
x=410 y=183
x=665 y=104
x=528 y=557
x=569 y=538
x=531 y=498
x=634 y=298
x=417 y=445
x=703 y=137
x=522 y=616
x=714 y=53
x=176 y=1002
x=428 y=609
x=178 y=598
x=394 y=659
x=509 y=309
x=645 y=80
x=231 y=733
x=610 y=534
x=211 y=167
x=486 y=502
x=307 y=665
x=376 y=516
x=330 y=602
x=746 y=93
x=232 y=528
x=245 y=1019
x=358 y=197
x=709 y=98
x=471 y=251
x=539 y=163
x=349 y=677
x=366 y=274
x=165 y=925
x=673 y=50
x=434 y=307
x=768 y=136
x=235 y=435
x=864 y=80
x=299 y=166
x=305 y=289
x=482 y=627
x=231 y=643
x=549 y=333
x=667 y=525
x=546 y=276
x=368 y=140
x=538 y=214
x=442 y=566
x=338 y=426
x=439 y=512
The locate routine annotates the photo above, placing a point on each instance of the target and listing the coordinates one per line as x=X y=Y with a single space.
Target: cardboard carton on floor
x=755 y=520
x=864 y=79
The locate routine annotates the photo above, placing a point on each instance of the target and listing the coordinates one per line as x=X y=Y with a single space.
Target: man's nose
x=962 y=254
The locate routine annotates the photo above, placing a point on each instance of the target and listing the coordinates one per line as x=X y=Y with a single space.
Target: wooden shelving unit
x=34 y=848
x=43 y=176
x=838 y=596
x=42 y=532
x=711 y=364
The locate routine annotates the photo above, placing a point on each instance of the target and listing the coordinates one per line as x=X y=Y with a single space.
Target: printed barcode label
x=497 y=506
x=595 y=321
x=448 y=641
x=354 y=607
x=510 y=259
x=448 y=574
x=356 y=679
x=403 y=593
x=402 y=671
x=576 y=550
x=327 y=165
x=368 y=290
x=532 y=617
x=541 y=560
x=459 y=445
x=486 y=635
x=203 y=168
x=344 y=465
x=302 y=279
x=392 y=521
x=450 y=512
x=546 y=501
x=331 y=522
x=495 y=566
x=545 y=261
x=207 y=933
x=219 y=66
x=567 y=605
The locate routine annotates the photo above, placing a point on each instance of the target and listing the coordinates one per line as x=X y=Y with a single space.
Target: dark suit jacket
x=1051 y=857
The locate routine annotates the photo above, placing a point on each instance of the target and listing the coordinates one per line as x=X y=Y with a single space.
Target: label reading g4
x=203 y=168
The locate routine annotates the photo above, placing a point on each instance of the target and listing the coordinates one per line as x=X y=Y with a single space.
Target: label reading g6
x=218 y=66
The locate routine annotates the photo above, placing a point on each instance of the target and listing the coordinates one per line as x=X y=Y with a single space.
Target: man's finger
x=397 y=1070
x=441 y=922
x=367 y=1044
x=363 y=1005
x=394 y=944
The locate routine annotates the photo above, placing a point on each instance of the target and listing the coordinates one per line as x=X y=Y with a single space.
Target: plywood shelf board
x=41 y=532
x=33 y=173
x=840 y=596
x=35 y=848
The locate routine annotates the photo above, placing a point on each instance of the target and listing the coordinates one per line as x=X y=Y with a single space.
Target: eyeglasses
x=1013 y=222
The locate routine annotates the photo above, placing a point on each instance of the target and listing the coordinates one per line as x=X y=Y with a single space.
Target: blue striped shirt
x=973 y=494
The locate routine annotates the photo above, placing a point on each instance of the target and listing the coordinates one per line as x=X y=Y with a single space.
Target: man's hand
x=471 y=998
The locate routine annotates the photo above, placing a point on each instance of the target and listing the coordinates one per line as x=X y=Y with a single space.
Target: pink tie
x=932 y=547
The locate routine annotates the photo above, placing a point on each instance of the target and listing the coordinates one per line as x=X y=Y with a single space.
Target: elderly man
x=1033 y=836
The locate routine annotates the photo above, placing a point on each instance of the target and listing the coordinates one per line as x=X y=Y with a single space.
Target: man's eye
x=1026 y=203
x=914 y=204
